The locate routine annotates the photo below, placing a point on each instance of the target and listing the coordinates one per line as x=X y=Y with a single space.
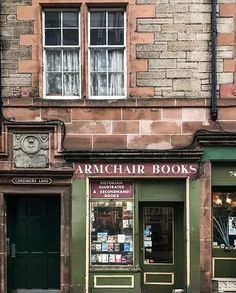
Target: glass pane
x=116 y=84
x=116 y=19
x=98 y=37
x=111 y=233
x=52 y=37
x=52 y=19
x=70 y=19
x=158 y=235
x=224 y=220
x=71 y=84
x=115 y=37
x=71 y=60
x=54 y=84
x=53 y=60
x=98 y=84
x=97 y=19
x=116 y=60
x=98 y=60
x=70 y=37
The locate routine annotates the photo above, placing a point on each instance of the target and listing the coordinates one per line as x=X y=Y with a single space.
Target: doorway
x=33 y=244
x=162 y=258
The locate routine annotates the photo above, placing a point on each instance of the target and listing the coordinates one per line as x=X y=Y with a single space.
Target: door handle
x=8 y=246
x=13 y=250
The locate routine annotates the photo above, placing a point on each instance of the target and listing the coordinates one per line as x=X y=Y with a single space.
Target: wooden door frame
x=64 y=192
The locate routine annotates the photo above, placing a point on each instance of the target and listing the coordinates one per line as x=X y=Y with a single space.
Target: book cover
x=104 y=246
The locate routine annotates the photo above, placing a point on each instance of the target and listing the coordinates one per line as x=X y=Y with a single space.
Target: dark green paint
x=33 y=226
x=220 y=153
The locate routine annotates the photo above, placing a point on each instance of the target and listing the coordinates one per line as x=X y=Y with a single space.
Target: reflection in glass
x=70 y=37
x=158 y=235
x=70 y=19
x=97 y=19
x=224 y=219
x=116 y=19
x=111 y=233
x=52 y=19
x=52 y=37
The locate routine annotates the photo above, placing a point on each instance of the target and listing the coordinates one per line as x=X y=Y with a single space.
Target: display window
x=224 y=220
x=111 y=226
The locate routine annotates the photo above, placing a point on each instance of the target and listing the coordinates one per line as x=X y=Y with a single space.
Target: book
x=102 y=236
x=111 y=258
x=110 y=246
x=126 y=247
x=118 y=258
x=117 y=247
x=104 y=246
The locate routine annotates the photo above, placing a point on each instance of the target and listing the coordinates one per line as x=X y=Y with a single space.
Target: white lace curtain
x=62 y=72
x=107 y=72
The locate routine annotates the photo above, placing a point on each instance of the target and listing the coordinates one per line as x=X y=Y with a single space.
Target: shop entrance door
x=162 y=258
x=33 y=244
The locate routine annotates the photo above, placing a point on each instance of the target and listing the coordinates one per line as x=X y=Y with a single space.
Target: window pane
x=71 y=84
x=71 y=60
x=53 y=60
x=115 y=37
x=98 y=84
x=52 y=19
x=116 y=19
x=98 y=37
x=52 y=37
x=98 y=60
x=70 y=37
x=224 y=219
x=116 y=84
x=158 y=235
x=70 y=19
x=98 y=19
x=54 y=84
x=111 y=233
x=116 y=60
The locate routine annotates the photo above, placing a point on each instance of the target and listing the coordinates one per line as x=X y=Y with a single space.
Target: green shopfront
x=135 y=227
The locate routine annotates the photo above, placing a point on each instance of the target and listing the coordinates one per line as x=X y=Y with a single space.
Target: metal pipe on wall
x=214 y=109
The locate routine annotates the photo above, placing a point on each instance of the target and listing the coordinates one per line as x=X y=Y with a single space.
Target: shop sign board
x=84 y=170
x=31 y=180
x=111 y=189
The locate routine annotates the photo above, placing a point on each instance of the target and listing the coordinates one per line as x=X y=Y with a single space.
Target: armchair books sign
x=84 y=170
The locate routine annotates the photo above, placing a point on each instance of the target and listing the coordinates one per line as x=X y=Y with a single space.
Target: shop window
x=224 y=220
x=107 y=53
x=111 y=233
x=61 y=53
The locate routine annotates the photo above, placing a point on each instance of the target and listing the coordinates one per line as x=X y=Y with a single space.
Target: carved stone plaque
x=31 y=150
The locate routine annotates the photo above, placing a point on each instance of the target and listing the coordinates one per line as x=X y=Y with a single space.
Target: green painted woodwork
x=220 y=153
x=97 y=279
x=114 y=280
x=223 y=174
x=147 y=191
x=161 y=190
x=224 y=267
x=177 y=267
x=194 y=220
x=159 y=278
x=34 y=228
x=78 y=250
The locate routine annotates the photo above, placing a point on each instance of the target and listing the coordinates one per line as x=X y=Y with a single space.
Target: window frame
x=124 y=47
x=45 y=47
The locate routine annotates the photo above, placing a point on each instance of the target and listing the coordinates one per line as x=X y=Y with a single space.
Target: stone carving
x=31 y=150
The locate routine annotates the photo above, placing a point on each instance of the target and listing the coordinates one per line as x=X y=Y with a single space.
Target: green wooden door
x=162 y=258
x=33 y=236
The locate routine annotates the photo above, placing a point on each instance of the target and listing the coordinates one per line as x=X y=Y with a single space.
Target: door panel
x=33 y=230
x=162 y=247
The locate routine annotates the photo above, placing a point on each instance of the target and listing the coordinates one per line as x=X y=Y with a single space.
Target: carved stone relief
x=31 y=150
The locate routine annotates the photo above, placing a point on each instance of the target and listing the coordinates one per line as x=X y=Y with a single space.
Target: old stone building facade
x=117 y=146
